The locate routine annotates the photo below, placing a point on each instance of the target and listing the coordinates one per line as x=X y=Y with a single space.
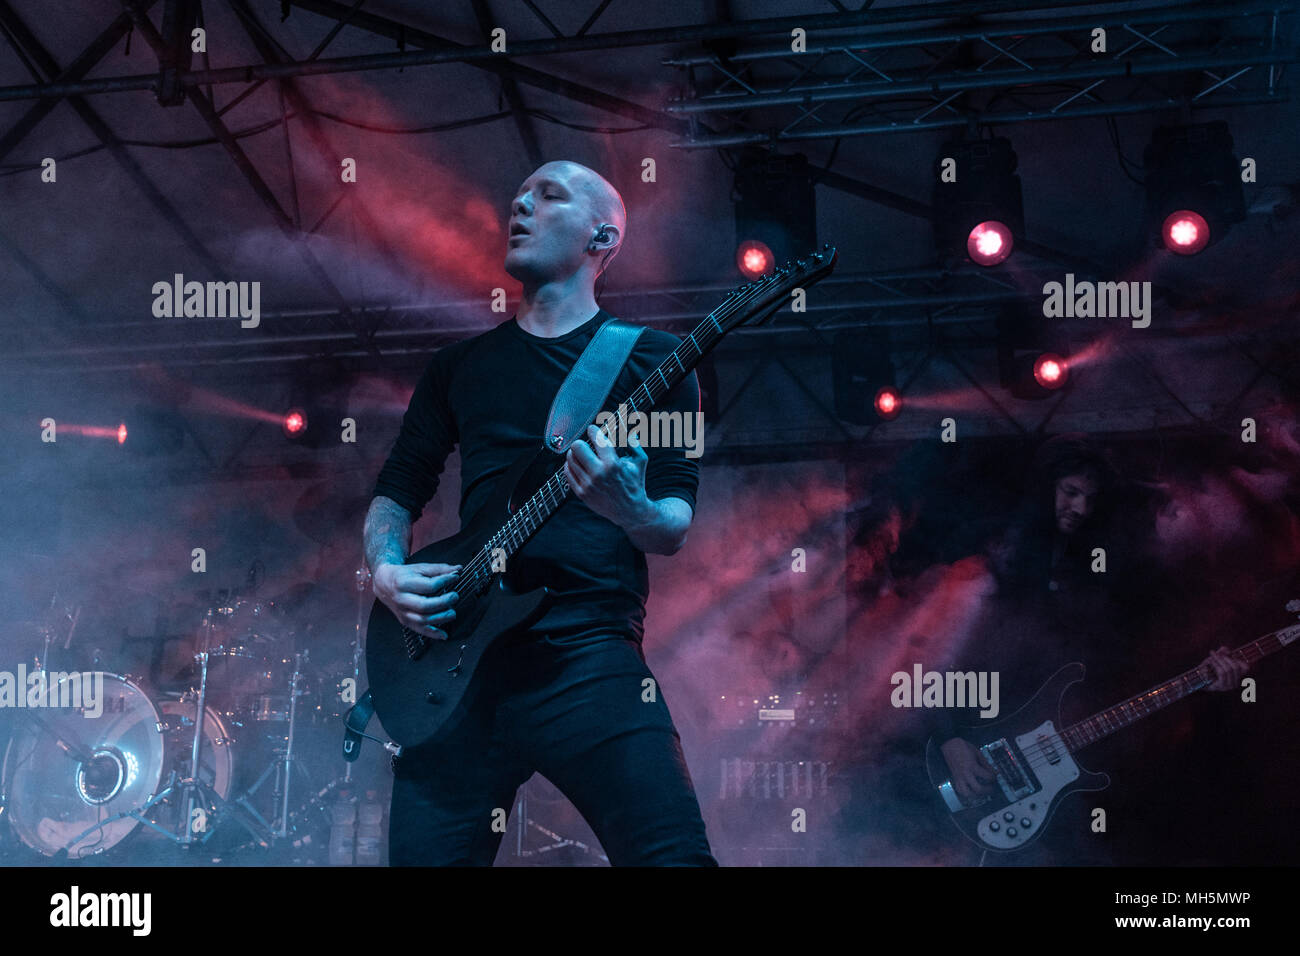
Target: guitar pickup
x=416 y=644
x=1013 y=777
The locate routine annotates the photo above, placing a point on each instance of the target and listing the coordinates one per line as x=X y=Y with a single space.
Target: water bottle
x=343 y=818
x=370 y=831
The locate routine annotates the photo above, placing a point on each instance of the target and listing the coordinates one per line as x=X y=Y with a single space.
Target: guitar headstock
x=755 y=302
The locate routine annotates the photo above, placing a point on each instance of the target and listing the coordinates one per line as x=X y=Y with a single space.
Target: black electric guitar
x=417 y=683
x=1032 y=755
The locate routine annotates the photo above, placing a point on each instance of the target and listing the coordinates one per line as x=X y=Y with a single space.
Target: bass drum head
x=70 y=771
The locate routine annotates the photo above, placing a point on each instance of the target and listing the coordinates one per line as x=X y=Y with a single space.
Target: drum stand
x=282 y=767
x=362 y=578
x=522 y=824
x=316 y=802
x=198 y=801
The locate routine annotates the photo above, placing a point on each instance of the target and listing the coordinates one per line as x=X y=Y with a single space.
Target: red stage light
x=295 y=423
x=989 y=243
x=754 y=259
x=1185 y=232
x=1050 y=371
x=121 y=433
x=888 y=403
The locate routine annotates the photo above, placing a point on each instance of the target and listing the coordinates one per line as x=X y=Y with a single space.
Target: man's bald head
x=555 y=218
x=606 y=203
x=602 y=198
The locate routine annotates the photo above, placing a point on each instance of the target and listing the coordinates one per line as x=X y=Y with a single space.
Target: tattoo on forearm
x=387 y=533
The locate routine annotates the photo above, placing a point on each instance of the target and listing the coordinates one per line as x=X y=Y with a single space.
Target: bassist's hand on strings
x=1228 y=670
x=972 y=777
x=408 y=590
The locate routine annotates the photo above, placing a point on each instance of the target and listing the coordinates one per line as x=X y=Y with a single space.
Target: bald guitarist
x=569 y=696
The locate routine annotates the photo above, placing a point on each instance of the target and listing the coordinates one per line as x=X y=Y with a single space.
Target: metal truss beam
x=922 y=300
x=46 y=63
x=526 y=48
x=510 y=89
x=422 y=39
x=206 y=110
x=800 y=94
x=75 y=70
x=313 y=128
x=982 y=118
x=883 y=73
x=1161 y=13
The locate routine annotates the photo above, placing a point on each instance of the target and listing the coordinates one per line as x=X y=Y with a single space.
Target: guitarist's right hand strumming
x=408 y=590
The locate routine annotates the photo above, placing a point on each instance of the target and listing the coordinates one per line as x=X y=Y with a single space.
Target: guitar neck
x=665 y=377
x=759 y=298
x=1112 y=719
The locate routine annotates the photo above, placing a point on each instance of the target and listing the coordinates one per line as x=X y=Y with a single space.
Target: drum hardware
x=164 y=762
x=56 y=627
x=362 y=578
x=282 y=767
x=524 y=822
x=200 y=803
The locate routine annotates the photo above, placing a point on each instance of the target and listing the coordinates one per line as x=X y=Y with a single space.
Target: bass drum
x=71 y=773
x=80 y=783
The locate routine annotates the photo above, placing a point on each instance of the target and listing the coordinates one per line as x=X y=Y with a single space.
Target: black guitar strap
x=580 y=399
x=354 y=725
x=583 y=393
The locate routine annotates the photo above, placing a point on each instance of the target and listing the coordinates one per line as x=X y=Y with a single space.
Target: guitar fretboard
x=1112 y=719
x=753 y=299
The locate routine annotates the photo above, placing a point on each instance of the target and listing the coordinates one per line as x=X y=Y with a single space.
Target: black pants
x=587 y=720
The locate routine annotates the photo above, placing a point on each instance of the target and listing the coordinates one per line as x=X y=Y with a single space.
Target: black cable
x=14 y=169
x=584 y=128
x=405 y=130
x=1113 y=128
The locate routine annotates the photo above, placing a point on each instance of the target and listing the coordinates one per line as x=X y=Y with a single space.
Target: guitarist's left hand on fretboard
x=1228 y=669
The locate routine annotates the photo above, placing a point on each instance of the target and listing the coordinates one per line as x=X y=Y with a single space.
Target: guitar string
x=1200 y=680
x=511 y=532
x=481 y=562
x=1098 y=726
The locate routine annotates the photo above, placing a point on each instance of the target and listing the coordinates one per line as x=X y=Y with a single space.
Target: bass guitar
x=1032 y=755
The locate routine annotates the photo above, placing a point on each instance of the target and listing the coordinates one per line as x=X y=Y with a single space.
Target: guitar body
x=419 y=686
x=1034 y=771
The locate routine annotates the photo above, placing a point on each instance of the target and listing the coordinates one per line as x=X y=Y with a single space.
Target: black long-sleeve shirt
x=490 y=395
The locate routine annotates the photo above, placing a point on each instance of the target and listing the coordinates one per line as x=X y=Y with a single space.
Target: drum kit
x=118 y=761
